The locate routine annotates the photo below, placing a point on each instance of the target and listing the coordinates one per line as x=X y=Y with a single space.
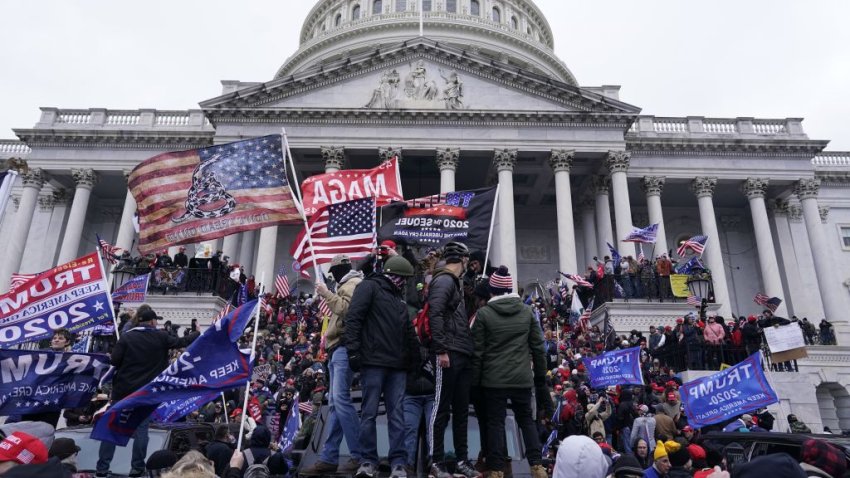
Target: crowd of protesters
x=430 y=337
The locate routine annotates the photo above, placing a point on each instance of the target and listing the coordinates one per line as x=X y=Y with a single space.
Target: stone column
x=246 y=251
x=604 y=234
x=703 y=188
x=126 y=230
x=447 y=161
x=618 y=165
x=787 y=257
x=265 y=267
x=653 y=186
x=755 y=190
x=386 y=154
x=504 y=161
x=561 y=160
x=85 y=180
x=231 y=248
x=333 y=157
x=828 y=286
x=33 y=180
x=588 y=225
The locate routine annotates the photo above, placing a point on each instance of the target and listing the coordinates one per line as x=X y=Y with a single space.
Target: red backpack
x=422 y=324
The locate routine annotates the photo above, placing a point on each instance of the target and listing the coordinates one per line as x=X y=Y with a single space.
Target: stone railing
x=831 y=159
x=13 y=147
x=99 y=118
x=697 y=126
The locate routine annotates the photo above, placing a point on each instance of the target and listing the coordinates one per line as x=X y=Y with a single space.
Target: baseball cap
x=388 y=243
x=22 y=448
x=747 y=417
x=340 y=259
x=63 y=448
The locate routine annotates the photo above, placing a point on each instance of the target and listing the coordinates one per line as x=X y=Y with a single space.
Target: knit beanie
x=660 y=451
x=824 y=456
x=501 y=282
x=697 y=454
x=627 y=465
x=677 y=454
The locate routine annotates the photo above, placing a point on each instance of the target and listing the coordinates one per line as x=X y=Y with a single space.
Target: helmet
x=399 y=266
x=455 y=249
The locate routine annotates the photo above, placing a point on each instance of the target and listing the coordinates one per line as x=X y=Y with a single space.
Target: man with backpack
x=451 y=345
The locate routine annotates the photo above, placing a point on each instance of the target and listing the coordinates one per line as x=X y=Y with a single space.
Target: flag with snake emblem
x=206 y=193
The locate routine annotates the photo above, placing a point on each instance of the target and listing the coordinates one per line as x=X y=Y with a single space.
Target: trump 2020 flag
x=46 y=381
x=210 y=365
x=73 y=295
x=645 y=235
x=618 y=367
x=290 y=429
x=201 y=194
x=134 y=290
x=728 y=393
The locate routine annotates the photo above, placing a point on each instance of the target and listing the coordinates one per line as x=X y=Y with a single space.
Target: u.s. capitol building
x=481 y=98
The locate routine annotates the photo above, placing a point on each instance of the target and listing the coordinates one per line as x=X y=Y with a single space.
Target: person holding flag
x=139 y=357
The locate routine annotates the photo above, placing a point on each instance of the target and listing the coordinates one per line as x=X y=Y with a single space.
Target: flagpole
x=253 y=351
x=316 y=269
x=108 y=295
x=490 y=234
x=224 y=407
x=771 y=381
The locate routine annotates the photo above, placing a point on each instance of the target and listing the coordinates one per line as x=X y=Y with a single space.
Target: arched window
x=497 y=15
x=514 y=23
x=377 y=7
x=451 y=6
x=355 y=12
x=426 y=5
x=475 y=8
x=401 y=5
x=338 y=19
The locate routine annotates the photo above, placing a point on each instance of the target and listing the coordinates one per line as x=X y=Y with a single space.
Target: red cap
x=687 y=429
x=671 y=396
x=388 y=243
x=23 y=449
x=751 y=318
x=697 y=452
x=680 y=320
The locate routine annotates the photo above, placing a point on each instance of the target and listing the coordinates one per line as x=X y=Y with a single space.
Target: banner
x=726 y=394
x=210 y=365
x=618 y=367
x=47 y=381
x=382 y=182
x=463 y=216
x=679 y=285
x=73 y=295
x=134 y=290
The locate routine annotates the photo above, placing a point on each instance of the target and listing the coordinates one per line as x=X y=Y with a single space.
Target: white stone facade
x=479 y=100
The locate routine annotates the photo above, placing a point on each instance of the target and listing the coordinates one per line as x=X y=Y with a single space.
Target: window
x=377 y=7
x=844 y=232
x=426 y=5
x=338 y=19
x=514 y=23
x=401 y=5
x=475 y=8
x=451 y=6
x=528 y=30
x=497 y=15
x=355 y=12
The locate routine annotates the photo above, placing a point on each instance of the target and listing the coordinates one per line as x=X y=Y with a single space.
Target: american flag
x=281 y=283
x=647 y=234
x=771 y=303
x=694 y=300
x=584 y=320
x=306 y=407
x=696 y=244
x=344 y=228
x=324 y=310
x=266 y=308
x=579 y=280
x=641 y=257
x=250 y=173
x=108 y=251
x=224 y=311
x=19 y=280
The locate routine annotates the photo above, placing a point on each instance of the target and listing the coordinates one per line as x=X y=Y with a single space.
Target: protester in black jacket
x=220 y=450
x=138 y=357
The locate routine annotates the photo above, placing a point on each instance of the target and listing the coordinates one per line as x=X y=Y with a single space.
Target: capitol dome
x=512 y=32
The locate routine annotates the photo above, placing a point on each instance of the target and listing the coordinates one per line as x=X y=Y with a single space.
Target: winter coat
x=580 y=457
x=219 y=453
x=338 y=304
x=140 y=355
x=258 y=448
x=447 y=315
x=505 y=335
x=672 y=410
x=378 y=327
x=644 y=427
x=714 y=333
x=626 y=410
x=596 y=417
x=752 y=333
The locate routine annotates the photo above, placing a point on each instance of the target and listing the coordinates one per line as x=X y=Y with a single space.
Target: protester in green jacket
x=507 y=337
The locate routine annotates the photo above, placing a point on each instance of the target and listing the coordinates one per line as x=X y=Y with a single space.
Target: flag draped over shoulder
x=201 y=194
x=210 y=365
x=344 y=228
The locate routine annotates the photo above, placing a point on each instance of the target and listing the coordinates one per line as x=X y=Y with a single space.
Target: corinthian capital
x=652 y=185
x=448 y=158
x=824 y=213
x=46 y=203
x=84 y=178
x=505 y=159
x=333 y=156
x=755 y=187
x=34 y=178
x=386 y=154
x=807 y=188
x=703 y=186
x=600 y=184
x=562 y=159
x=618 y=161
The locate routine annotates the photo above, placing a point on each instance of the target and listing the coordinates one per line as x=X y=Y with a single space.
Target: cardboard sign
x=784 y=338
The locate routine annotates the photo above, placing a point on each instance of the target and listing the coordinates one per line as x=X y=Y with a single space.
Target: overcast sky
x=721 y=58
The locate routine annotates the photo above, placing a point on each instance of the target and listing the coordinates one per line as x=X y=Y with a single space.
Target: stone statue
x=453 y=92
x=386 y=94
x=417 y=86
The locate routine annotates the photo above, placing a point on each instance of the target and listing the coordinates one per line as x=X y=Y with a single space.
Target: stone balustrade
x=100 y=118
x=13 y=147
x=832 y=159
x=700 y=127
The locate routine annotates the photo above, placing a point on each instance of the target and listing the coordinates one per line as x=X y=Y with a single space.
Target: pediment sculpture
x=418 y=90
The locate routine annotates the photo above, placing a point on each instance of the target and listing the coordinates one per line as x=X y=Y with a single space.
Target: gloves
x=354 y=361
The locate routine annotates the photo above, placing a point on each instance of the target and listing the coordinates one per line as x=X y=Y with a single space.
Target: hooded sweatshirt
x=580 y=457
x=338 y=304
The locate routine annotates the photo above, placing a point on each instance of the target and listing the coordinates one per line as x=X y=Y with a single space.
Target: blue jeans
x=415 y=407
x=625 y=440
x=377 y=381
x=140 y=450
x=342 y=416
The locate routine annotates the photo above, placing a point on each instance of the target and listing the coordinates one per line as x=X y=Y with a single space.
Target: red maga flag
x=382 y=182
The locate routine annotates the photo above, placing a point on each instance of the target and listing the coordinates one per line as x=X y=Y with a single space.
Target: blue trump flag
x=290 y=428
x=618 y=367
x=45 y=381
x=134 y=290
x=728 y=393
x=211 y=364
x=615 y=254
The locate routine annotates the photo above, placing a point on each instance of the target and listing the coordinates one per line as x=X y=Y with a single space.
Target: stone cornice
x=115 y=139
x=803 y=149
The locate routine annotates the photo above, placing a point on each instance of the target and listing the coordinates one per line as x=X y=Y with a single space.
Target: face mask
x=398 y=281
